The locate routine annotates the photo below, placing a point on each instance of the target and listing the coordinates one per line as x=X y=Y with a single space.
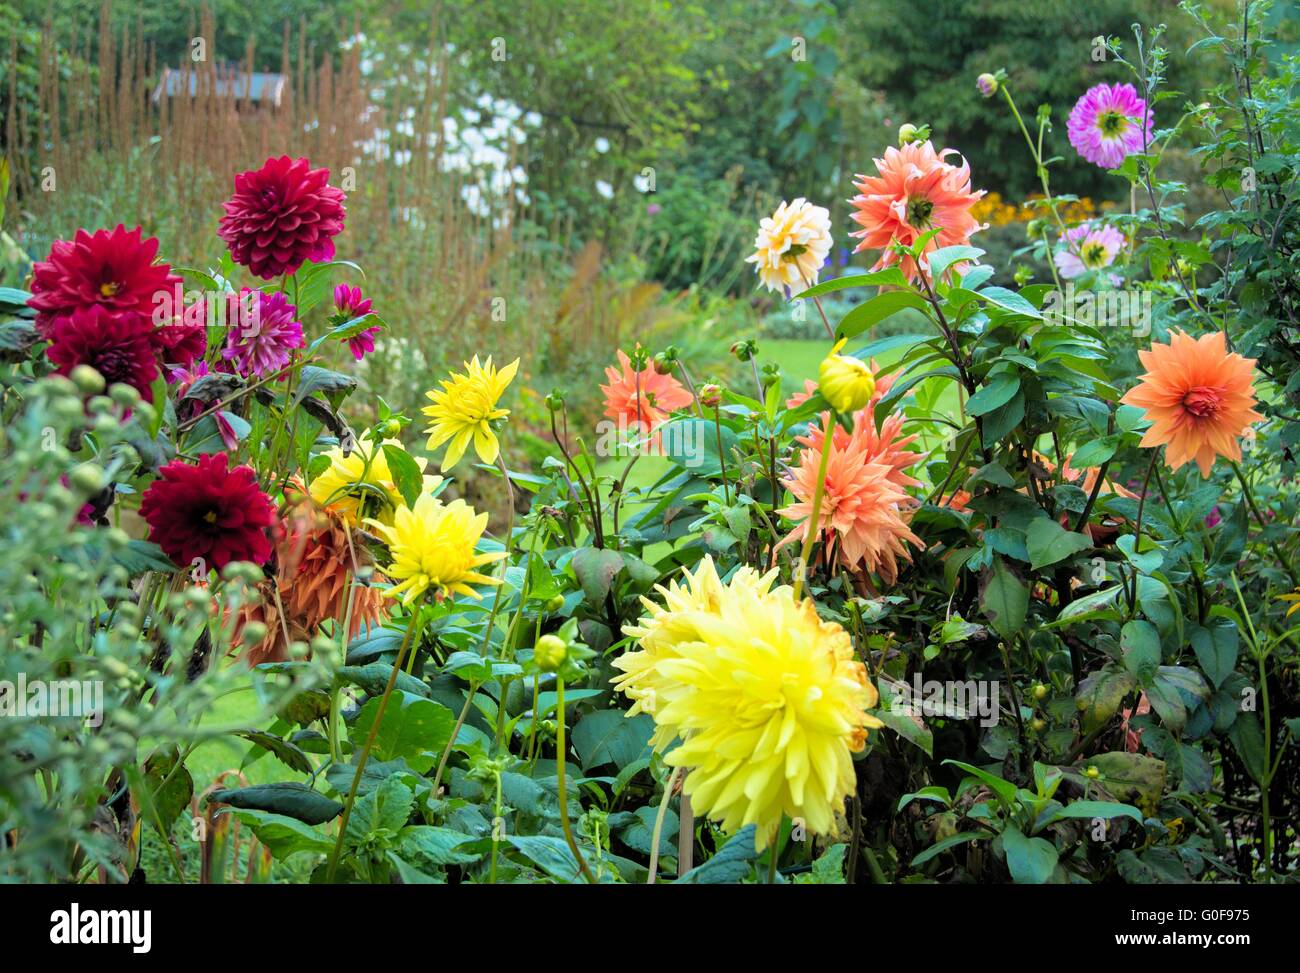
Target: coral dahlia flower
x=1087 y=247
x=1199 y=398
x=767 y=699
x=313 y=578
x=641 y=401
x=1107 y=123
x=433 y=546
x=917 y=190
x=281 y=216
x=791 y=246
x=464 y=409
x=261 y=335
x=110 y=269
x=864 y=505
x=117 y=345
x=208 y=514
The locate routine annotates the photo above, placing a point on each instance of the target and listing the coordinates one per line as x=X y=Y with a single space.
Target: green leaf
x=874 y=310
x=373 y=678
x=1100 y=693
x=1129 y=776
x=595 y=570
x=286 y=798
x=1050 y=543
x=552 y=855
x=1096 y=809
x=314 y=379
x=287 y=753
x=730 y=865
x=939 y=847
x=1005 y=600
x=943 y=258
x=382 y=813
x=431 y=847
x=413 y=727
x=1030 y=860
x=609 y=737
x=888 y=277
x=1248 y=740
x=997 y=392
x=1216 y=649
x=1004 y=789
x=407 y=475
x=1140 y=642
x=283 y=836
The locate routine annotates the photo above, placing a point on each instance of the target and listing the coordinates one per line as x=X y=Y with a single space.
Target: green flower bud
x=550 y=653
x=88 y=380
x=87 y=479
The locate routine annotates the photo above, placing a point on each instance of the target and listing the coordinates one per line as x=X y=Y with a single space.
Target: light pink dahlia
x=1109 y=123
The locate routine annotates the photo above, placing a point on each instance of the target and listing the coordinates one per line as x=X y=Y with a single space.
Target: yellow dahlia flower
x=791 y=246
x=349 y=481
x=768 y=700
x=433 y=546
x=845 y=382
x=465 y=407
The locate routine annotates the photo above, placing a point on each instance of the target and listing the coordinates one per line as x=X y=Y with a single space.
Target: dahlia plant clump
x=1004 y=594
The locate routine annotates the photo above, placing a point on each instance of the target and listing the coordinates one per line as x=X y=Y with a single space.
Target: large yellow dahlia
x=433 y=546
x=767 y=698
x=463 y=410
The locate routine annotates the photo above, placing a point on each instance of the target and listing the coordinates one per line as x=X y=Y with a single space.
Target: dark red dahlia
x=282 y=215
x=208 y=513
x=112 y=269
x=118 y=345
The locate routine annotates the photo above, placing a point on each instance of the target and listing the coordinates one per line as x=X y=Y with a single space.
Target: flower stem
x=559 y=780
x=813 y=525
x=1277 y=548
x=370 y=741
x=659 y=824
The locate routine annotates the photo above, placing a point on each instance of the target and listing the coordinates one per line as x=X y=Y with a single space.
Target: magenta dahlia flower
x=262 y=333
x=118 y=345
x=281 y=216
x=1109 y=123
x=1088 y=247
x=350 y=305
x=208 y=514
x=112 y=269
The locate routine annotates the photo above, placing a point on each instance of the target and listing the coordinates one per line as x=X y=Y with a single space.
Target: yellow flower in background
x=768 y=700
x=465 y=407
x=1294 y=598
x=845 y=382
x=433 y=546
x=363 y=474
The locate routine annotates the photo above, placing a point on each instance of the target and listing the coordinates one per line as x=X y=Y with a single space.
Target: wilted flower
x=281 y=216
x=464 y=409
x=1109 y=123
x=208 y=514
x=433 y=546
x=791 y=246
x=1199 y=398
x=767 y=699
x=915 y=192
x=110 y=269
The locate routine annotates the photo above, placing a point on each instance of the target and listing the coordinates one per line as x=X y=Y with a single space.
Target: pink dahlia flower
x=262 y=334
x=1088 y=247
x=1109 y=123
x=350 y=305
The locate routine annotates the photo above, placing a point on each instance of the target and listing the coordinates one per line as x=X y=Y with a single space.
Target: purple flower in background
x=262 y=333
x=1213 y=518
x=653 y=209
x=1088 y=247
x=352 y=305
x=1106 y=124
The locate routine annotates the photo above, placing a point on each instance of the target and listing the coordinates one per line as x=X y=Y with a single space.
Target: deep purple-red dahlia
x=282 y=215
x=206 y=512
x=184 y=339
x=112 y=269
x=118 y=345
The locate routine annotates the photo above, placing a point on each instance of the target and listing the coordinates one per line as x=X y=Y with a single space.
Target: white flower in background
x=791 y=246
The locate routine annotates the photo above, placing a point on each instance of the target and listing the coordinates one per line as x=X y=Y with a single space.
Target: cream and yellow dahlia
x=361 y=482
x=791 y=246
x=464 y=409
x=433 y=546
x=767 y=698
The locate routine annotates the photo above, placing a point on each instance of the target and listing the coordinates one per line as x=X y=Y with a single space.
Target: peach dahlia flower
x=1199 y=398
x=916 y=191
x=640 y=401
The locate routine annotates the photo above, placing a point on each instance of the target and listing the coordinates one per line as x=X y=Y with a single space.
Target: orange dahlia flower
x=313 y=574
x=1199 y=398
x=640 y=401
x=916 y=191
x=864 y=505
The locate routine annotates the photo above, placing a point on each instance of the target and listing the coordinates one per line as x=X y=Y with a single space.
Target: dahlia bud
x=555 y=401
x=87 y=478
x=1092 y=772
x=550 y=653
x=124 y=395
x=253 y=633
x=391 y=429
x=88 y=380
x=845 y=382
x=745 y=350
x=1037 y=724
x=554 y=604
x=663 y=365
x=908 y=133
x=771 y=375
x=710 y=396
x=987 y=84
x=1040 y=691
x=639 y=359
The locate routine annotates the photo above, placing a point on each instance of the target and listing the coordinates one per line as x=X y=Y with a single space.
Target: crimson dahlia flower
x=207 y=513
x=117 y=345
x=281 y=216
